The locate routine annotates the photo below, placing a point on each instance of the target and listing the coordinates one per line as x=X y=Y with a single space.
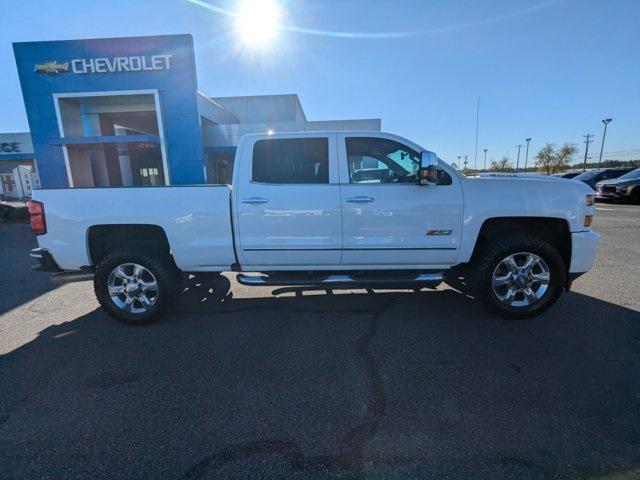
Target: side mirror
x=428 y=172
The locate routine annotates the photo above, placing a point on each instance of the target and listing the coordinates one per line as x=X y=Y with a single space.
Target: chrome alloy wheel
x=520 y=279
x=132 y=288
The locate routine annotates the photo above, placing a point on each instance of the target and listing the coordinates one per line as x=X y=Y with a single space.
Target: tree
x=552 y=159
x=502 y=165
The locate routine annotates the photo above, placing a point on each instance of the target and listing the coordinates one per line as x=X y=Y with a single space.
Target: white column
x=124 y=158
x=91 y=125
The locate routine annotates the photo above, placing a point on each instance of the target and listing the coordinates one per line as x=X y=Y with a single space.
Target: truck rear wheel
x=136 y=287
x=519 y=276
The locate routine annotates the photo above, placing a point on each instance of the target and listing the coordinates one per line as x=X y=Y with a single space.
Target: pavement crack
x=357 y=438
x=239 y=451
x=352 y=446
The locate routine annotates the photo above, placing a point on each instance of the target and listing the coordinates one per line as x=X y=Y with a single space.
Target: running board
x=70 y=276
x=341 y=280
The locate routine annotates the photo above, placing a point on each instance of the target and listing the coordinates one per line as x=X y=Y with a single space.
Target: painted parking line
x=598 y=209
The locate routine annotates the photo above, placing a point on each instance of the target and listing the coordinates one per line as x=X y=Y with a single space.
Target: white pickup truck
x=330 y=209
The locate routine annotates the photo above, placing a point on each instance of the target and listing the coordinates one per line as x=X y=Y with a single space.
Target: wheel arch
x=555 y=231
x=107 y=238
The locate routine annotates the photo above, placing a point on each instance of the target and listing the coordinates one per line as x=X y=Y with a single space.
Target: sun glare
x=258 y=22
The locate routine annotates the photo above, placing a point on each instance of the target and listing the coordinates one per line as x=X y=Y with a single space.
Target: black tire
x=167 y=276
x=499 y=248
x=635 y=195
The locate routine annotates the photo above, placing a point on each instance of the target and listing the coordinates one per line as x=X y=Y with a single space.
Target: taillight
x=36 y=216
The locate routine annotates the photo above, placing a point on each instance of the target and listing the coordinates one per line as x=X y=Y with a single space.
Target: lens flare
x=258 y=22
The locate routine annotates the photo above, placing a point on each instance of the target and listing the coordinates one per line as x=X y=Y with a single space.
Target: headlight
x=591 y=201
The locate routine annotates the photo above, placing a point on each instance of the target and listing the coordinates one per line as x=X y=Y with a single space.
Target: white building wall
x=25 y=181
x=16 y=143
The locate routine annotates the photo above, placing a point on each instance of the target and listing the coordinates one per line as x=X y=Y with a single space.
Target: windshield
x=587 y=175
x=632 y=175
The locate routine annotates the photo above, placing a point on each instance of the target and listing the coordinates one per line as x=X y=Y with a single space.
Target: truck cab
x=342 y=201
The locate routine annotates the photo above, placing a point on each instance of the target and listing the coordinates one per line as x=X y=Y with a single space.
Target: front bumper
x=608 y=194
x=584 y=249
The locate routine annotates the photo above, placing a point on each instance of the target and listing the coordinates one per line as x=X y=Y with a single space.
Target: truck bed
x=196 y=220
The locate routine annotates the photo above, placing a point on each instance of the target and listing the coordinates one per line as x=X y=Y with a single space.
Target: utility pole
x=518 y=160
x=475 y=155
x=606 y=122
x=526 y=155
x=484 y=167
x=586 y=149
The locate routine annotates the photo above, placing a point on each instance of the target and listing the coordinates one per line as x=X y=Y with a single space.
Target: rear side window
x=291 y=160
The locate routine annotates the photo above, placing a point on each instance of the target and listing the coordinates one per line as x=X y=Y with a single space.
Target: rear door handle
x=255 y=200
x=360 y=199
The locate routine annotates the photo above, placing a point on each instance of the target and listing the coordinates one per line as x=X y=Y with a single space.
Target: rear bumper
x=584 y=248
x=46 y=262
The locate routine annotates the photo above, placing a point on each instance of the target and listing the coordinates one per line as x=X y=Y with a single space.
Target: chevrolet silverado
x=329 y=209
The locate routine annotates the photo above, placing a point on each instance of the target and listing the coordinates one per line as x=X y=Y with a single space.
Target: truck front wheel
x=136 y=287
x=519 y=276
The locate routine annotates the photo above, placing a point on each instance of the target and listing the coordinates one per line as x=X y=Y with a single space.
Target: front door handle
x=360 y=199
x=255 y=200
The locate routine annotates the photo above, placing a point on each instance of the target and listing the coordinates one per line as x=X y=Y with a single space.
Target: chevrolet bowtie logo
x=51 y=68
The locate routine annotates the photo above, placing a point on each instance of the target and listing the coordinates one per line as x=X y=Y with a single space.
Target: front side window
x=380 y=160
x=291 y=160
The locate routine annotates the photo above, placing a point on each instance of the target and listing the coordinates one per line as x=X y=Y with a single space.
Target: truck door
x=287 y=203
x=387 y=218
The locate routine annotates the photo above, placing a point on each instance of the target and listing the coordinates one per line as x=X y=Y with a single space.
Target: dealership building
x=128 y=112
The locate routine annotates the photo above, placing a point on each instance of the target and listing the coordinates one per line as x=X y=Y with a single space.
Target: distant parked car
x=566 y=175
x=592 y=177
x=626 y=187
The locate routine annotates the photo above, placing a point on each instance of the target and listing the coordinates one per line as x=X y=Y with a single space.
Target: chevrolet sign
x=108 y=65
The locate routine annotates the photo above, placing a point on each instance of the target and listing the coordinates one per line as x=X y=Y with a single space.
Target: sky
x=546 y=69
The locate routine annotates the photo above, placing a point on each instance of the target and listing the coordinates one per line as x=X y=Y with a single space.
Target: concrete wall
x=229 y=135
x=264 y=108
x=213 y=111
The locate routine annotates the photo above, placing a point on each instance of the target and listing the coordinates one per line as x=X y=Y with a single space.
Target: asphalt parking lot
x=258 y=383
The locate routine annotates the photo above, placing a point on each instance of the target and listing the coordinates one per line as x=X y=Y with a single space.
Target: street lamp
x=484 y=167
x=526 y=155
x=606 y=122
x=518 y=160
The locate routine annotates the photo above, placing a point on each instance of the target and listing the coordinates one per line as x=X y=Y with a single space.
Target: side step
x=343 y=280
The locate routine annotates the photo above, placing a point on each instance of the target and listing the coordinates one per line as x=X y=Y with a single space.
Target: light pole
x=518 y=160
x=484 y=167
x=587 y=141
x=526 y=155
x=606 y=122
